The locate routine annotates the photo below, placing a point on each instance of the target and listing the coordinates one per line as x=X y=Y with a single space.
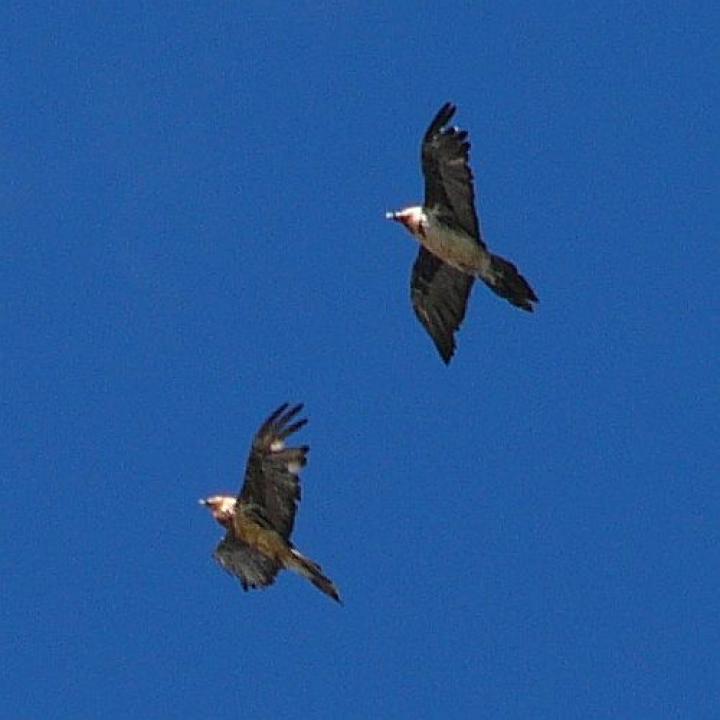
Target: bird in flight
x=259 y=521
x=452 y=252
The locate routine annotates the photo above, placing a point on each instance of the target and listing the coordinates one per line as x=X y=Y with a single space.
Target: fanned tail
x=508 y=283
x=313 y=572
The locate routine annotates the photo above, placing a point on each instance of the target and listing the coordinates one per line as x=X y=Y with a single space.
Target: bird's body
x=259 y=521
x=453 y=253
x=452 y=245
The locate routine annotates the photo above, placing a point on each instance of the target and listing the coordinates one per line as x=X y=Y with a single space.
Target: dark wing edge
x=439 y=295
x=271 y=474
x=442 y=118
x=434 y=187
x=449 y=188
x=253 y=569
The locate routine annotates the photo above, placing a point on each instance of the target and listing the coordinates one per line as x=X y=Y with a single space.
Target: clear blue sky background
x=191 y=211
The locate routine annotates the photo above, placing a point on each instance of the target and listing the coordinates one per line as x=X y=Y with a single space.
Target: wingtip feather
x=442 y=117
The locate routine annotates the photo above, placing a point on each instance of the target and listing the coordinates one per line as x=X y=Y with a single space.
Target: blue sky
x=192 y=233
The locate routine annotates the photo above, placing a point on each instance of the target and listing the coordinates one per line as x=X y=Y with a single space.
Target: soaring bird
x=452 y=252
x=259 y=521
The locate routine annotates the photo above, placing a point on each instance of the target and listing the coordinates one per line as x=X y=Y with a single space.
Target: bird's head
x=410 y=217
x=222 y=507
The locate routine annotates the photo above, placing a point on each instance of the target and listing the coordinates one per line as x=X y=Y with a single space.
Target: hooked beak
x=203 y=502
x=391 y=216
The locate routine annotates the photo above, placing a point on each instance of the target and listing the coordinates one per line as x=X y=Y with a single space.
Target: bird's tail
x=313 y=572
x=507 y=282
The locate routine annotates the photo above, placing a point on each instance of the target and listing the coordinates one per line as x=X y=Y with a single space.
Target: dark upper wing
x=439 y=296
x=253 y=569
x=448 y=177
x=271 y=474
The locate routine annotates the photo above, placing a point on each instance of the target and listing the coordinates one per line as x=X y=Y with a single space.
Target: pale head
x=222 y=507
x=412 y=218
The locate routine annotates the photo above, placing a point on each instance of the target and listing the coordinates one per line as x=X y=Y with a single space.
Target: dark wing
x=439 y=296
x=253 y=569
x=448 y=178
x=271 y=475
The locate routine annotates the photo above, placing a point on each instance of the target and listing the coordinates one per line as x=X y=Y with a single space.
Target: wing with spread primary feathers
x=439 y=295
x=449 y=188
x=271 y=475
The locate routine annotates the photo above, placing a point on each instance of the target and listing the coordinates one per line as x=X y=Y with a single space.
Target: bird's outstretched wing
x=271 y=474
x=449 y=190
x=253 y=569
x=439 y=296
